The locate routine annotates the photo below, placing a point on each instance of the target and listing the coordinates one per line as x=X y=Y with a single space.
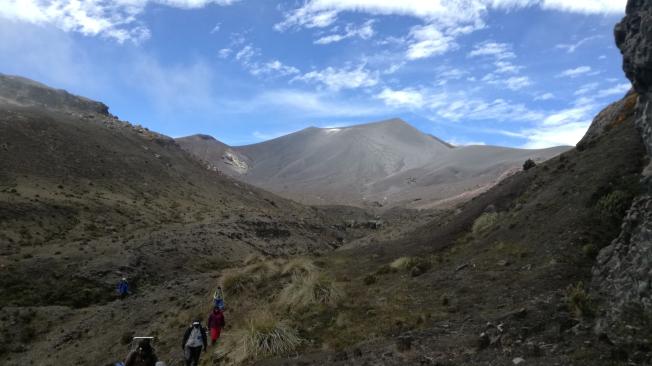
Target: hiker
x=215 y=324
x=218 y=298
x=123 y=288
x=193 y=340
x=143 y=355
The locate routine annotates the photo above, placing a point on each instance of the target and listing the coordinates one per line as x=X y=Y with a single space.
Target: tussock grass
x=300 y=265
x=237 y=282
x=264 y=336
x=484 y=222
x=411 y=264
x=310 y=289
x=402 y=263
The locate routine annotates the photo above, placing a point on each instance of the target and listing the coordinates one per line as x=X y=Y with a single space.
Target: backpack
x=195 y=339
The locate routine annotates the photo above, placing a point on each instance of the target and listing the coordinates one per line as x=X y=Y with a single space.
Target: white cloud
x=573 y=73
x=309 y=104
x=402 y=98
x=499 y=51
x=517 y=82
x=224 y=53
x=512 y=82
x=548 y=136
x=451 y=12
x=618 y=90
x=586 y=88
x=570 y=48
x=112 y=19
x=545 y=96
x=216 y=28
x=274 y=67
x=426 y=41
x=337 y=79
x=570 y=115
x=365 y=31
x=585 y=6
x=248 y=57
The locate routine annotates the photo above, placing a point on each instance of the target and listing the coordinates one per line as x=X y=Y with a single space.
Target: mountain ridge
x=375 y=163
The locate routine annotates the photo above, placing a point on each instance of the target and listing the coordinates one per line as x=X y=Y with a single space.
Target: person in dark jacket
x=142 y=356
x=193 y=340
x=123 y=288
x=215 y=324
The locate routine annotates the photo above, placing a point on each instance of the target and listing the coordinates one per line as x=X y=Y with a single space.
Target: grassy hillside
x=503 y=278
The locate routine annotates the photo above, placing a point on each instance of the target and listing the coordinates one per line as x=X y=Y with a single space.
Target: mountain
x=383 y=163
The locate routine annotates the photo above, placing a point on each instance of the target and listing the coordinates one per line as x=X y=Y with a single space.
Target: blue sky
x=521 y=73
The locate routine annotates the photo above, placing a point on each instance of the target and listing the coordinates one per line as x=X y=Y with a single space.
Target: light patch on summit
x=333 y=130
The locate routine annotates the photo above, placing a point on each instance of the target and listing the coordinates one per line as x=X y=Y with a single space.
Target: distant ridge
x=382 y=163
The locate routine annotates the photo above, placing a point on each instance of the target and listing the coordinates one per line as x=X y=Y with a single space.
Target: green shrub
x=369 y=280
x=529 y=164
x=614 y=206
x=579 y=301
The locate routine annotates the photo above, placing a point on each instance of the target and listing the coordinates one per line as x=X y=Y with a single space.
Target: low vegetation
x=310 y=289
x=579 y=301
x=484 y=222
x=264 y=335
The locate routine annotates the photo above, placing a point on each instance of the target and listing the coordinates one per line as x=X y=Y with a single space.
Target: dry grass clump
x=253 y=258
x=264 y=336
x=310 y=289
x=402 y=263
x=236 y=282
x=412 y=264
x=299 y=265
x=484 y=222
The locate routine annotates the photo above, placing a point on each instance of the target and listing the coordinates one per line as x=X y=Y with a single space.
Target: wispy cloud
x=343 y=78
x=118 y=20
x=365 y=31
x=409 y=98
x=572 y=47
x=573 y=73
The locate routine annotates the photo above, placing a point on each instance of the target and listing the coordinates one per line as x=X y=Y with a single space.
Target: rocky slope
x=503 y=281
x=623 y=274
x=387 y=163
x=86 y=198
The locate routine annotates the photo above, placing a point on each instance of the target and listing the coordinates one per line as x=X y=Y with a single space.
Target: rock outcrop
x=622 y=276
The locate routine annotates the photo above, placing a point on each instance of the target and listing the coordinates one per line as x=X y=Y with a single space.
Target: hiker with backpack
x=123 y=288
x=218 y=298
x=215 y=324
x=193 y=340
x=143 y=355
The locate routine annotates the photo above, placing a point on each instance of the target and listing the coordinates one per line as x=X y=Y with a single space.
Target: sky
x=519 y=73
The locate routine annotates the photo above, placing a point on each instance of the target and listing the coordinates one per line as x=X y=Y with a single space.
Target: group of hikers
x=194 y=339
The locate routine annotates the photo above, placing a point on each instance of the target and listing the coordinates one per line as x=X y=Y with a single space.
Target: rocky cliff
x=622 y=276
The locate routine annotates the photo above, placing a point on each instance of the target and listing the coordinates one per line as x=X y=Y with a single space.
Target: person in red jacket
x=215 y=324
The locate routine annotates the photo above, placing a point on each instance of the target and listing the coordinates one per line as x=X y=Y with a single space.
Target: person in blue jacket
x=123 y=288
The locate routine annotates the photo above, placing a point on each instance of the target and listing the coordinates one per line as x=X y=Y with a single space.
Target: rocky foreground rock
x=623 y=273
